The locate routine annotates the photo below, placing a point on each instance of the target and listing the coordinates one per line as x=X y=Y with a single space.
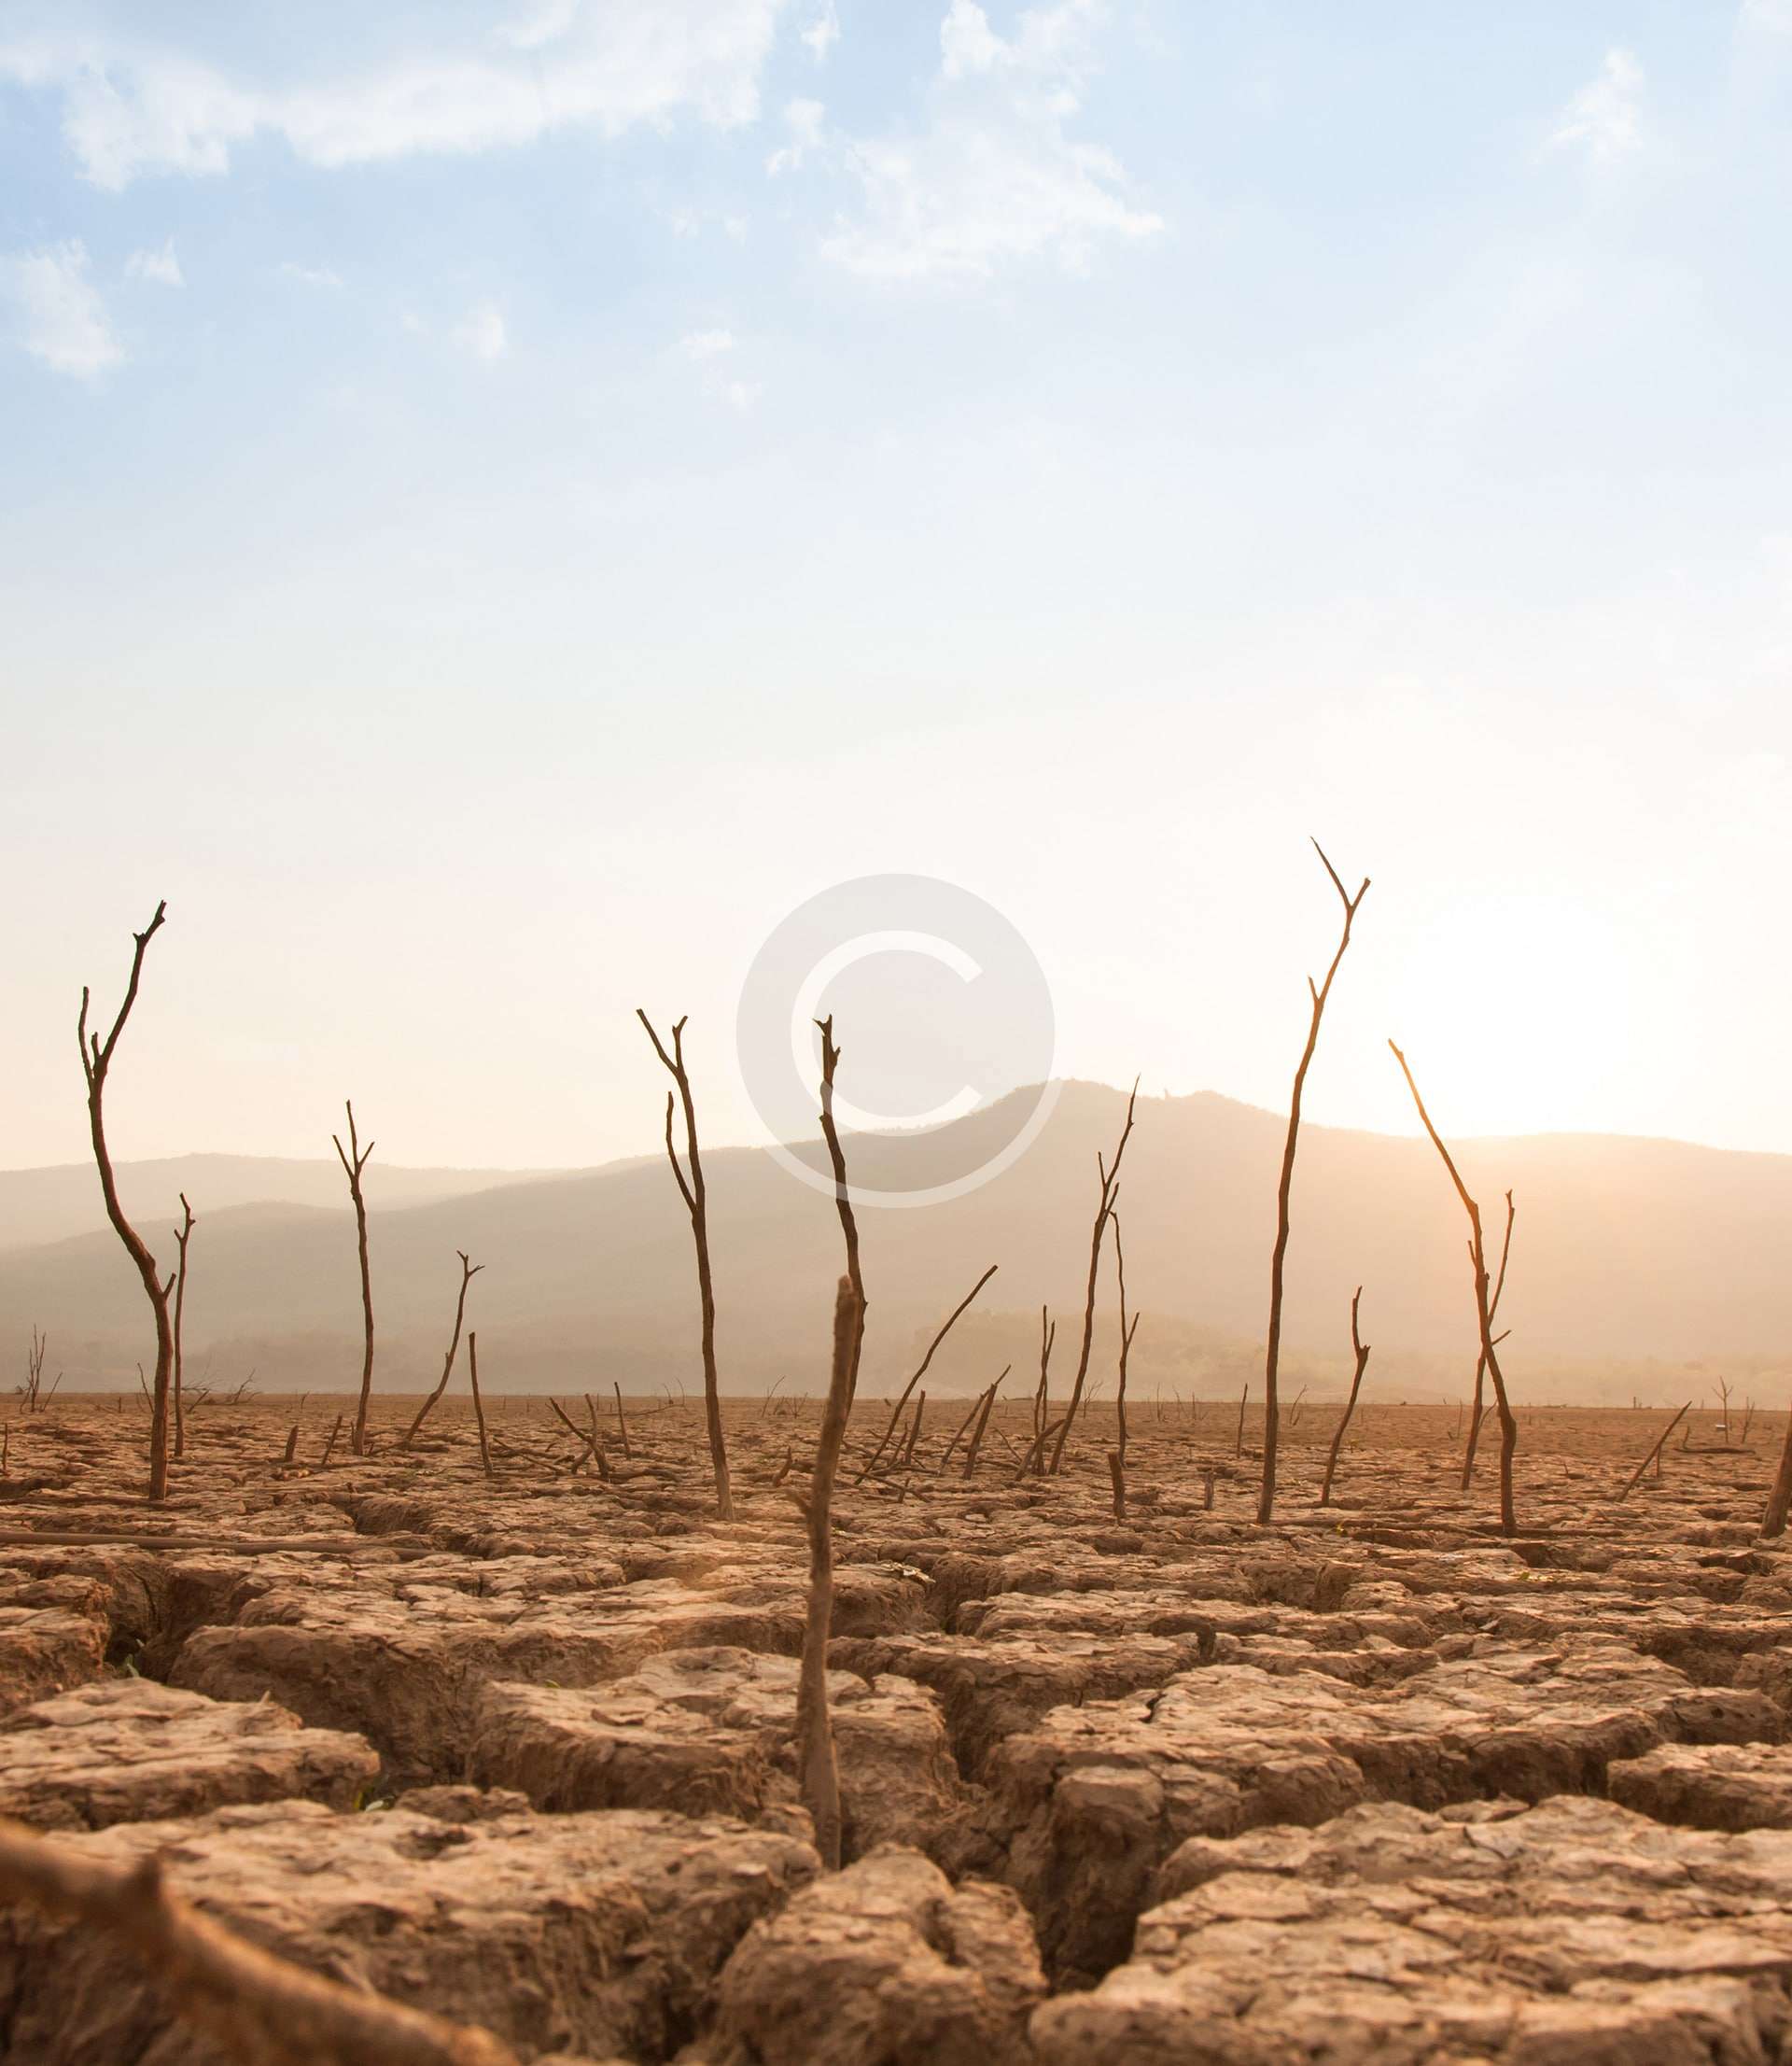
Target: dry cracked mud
x=1371 y=1784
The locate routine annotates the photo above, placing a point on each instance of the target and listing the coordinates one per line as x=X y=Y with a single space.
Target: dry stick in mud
x=257 y=2007
x=97 y=1064
x=1636 y=1476
x=1110 y=1192
x=1128 y=1329
x=1360 y=1348
x=1272 y=1354
x=697 y=1205
x=1480 y=1361
x=621 y=1426
x=1483 y=1307
x=1244 y=1399
x=1042 y=1397
x=469 y=1271
x=842 y=1198
x=982 y=1422
x=817 y=1771
x=354 y=1160
x=479 y=1411
x=1117 y=1471
x=896 y=1410
x=964 y=1426
x=182 y=1235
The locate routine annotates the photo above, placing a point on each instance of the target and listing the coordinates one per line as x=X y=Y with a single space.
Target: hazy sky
x=503 y=502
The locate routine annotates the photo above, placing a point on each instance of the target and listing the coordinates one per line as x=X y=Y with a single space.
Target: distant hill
x=1629 y=1256
x=38 y=1205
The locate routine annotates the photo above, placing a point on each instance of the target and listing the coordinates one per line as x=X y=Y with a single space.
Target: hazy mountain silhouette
x=1625 y=1250
x=39 y=1205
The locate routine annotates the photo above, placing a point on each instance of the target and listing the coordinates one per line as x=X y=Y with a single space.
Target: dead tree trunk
x=896 y=1410
x=819 y=1774
x=1042 y=1396
x=842 y=1198
x=182 y=1235
x=1779 y=1501
x=621 y=1426
x=1362 y=1351
x=696 y=1204
x=354 y=1161
x=1272 y=1356
x=1128 y=1329
x=1104 y=1208
x=479 y=1410
x=96 y=1063
x=469 y=1271
x=1483 y=1307
x=1480 y=1361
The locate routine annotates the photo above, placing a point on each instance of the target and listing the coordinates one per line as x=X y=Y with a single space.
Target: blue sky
x=504 y=501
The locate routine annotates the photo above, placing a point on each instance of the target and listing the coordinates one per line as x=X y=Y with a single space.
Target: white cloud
x=740 y=394
x=1775 y=16
x=805 y=120
x=707 y=343
x=309 y=275
x=993 y=179
x=163 y=266
x=129 y=109
x=824 y=32
x=483 y=332
x=1605 y=118
x=58 y=312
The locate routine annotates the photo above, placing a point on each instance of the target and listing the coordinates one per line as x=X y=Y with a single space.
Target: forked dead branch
x=354 y=1160
x=1105 y=1201
x=469 y=1271
x=1483 y=1304
x=1272 y=1353
x=96 y=1066
x=696 y=1204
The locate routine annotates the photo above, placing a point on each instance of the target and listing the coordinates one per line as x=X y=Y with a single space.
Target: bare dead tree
x=354 y=1160
x=1128 y=1329
x=1480 y=1361
x=96 y=1065
x=1361 y=1349
x=259 y=2008
x=1042 y=1397
x=817 y=1771
x=479 y=1411
x=697 y=1205
x=1483 y=1306
x=1272 y=1355
x=842 y=1198
x=1110 y=1192
x=182 y=1235
x=621 y=1426
x=469 y=1271
x=896 y=1410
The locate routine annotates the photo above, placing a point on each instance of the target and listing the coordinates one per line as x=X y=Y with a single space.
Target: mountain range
x=1630 y=1258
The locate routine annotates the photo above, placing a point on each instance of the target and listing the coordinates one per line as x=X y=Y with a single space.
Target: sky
x=505 y=503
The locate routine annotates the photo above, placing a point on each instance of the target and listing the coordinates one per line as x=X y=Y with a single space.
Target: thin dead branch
x=895 y=1411
x=354 y=1160
x=697 y=1205
x=1272 y=1355
x=96 y=1065
x=469 y=1271
x=1109 y=1193
x=1359 y=1348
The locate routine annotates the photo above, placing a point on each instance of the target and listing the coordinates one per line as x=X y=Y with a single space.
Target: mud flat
x=1372 y=1784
